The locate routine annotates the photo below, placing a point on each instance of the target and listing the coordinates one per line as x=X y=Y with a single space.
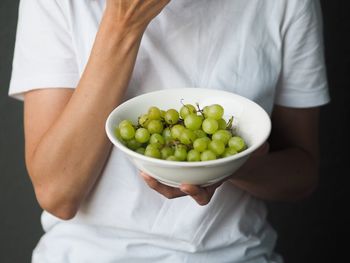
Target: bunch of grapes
x=191 y=134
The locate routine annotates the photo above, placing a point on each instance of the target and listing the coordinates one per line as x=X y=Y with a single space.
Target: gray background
x=307 y=229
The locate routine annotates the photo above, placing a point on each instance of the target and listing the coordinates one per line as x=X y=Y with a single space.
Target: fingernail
x=146 y=176
x=183 y=189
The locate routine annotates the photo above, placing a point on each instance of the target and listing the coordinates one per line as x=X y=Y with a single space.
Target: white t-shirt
x=268 y=51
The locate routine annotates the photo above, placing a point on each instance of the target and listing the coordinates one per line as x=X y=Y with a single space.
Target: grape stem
x=182 y=103
x=200 y=110
x=197 y=104
x=139 y=123
x=230 y=123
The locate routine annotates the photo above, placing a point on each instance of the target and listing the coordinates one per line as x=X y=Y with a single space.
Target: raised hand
x=134 y=15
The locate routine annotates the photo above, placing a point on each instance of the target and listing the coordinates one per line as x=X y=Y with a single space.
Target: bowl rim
x=167 y=163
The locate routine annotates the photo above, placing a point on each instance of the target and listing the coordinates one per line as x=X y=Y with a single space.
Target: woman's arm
x=290 y=171
x=65 y=142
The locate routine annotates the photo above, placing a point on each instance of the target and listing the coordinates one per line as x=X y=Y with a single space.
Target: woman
x=75 y=61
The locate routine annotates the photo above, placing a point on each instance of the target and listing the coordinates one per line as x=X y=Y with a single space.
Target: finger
x=199 y=194
x=212 y=188
x=167 y=191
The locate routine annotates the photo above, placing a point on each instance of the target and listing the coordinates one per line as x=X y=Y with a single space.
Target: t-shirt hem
x=19 y=86
x=308 y=100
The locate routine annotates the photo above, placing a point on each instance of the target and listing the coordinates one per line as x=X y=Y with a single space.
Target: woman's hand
x=202 y=195
x=134 y=15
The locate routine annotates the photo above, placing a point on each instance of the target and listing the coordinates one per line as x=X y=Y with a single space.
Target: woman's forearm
x=71 y=154
x=284 y=175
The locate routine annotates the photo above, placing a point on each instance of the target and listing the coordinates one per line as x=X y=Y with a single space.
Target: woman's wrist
x=114 y=40
x=120 y=26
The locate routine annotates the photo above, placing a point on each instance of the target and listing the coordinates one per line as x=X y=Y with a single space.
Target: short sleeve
x=303 y=80
x=44 y=56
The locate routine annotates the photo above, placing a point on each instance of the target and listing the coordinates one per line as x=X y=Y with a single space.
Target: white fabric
x=268 y=51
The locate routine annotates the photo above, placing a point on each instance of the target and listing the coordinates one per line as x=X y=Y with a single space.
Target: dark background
x=307 y=230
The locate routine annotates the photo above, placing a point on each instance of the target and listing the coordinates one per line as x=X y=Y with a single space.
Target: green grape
x=217 y=147
x=193 y=122
x=144 y=120
x=193 y=156
x=167 y=152
x=171 y=116
x=222 y=124
x=205 y=111
x=172 y=158
x=127 y=132
x=153 y=152
x=142 y=135
x=237 y=143
x=200 y=133
x=186 y=110
x=162 y=114
x=141 y=150
x=210 y=125
x=201 y=144
x=156 y=145
x=193 y=138
x=180 y=153
x=215 y=111
x=133 y=144
x=118 y=136
x=181 y=146
x=222 y=135
x=125 y=123
x=176 y=131
x=154 y=113
x=187 y=137
x=229 y=151
x=167 y=135
x=152 y=146
x=157 y=138
x=155 y=126
x=208 y=155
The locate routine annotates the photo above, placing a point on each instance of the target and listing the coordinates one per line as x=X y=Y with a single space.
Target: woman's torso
x=233 y=45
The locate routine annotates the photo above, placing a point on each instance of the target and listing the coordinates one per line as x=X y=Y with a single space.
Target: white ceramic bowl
x=251 y=121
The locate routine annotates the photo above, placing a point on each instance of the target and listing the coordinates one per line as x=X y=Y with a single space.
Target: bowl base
x=177 y=185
